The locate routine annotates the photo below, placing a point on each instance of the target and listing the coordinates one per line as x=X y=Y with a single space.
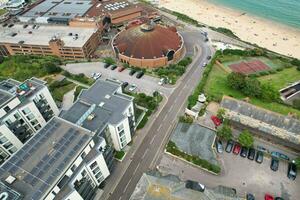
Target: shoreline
x=266 y=33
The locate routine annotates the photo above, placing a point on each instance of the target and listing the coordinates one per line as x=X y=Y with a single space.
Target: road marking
x=120 y=197
x=144 y=154
x=127 y=185
x=159 y=127
x=172 y=106
x=152 y=139
x=165 y=118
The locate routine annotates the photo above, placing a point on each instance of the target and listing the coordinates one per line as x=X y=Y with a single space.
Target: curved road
x=147 y=154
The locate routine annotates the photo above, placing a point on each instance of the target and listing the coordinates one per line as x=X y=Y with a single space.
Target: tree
x=252 y=87
x=109 y=60
x=52 y=68
x=225 y=132
x=246 y=139
x=1 y=59
x=221 y=114
x=236 y=80
x=269 y=93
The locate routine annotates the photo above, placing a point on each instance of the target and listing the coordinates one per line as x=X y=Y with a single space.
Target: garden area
x=59 y=88
x=260 y=89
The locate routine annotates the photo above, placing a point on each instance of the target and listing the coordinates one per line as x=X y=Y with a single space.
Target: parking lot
x=241 y=173
x=146 y=84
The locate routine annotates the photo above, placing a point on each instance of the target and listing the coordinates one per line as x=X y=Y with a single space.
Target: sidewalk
x=68 y=99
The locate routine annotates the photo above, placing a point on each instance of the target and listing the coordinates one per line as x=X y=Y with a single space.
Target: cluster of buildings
x=68 y=29
x=67 y=155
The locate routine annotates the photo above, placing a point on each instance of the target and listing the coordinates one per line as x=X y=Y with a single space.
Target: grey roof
x=154 y=186
x=109 y=105
x=41 y=162
x=4 y=97
x=274 y=119
x=196 y=140
x=59 y=9
x=12 y=194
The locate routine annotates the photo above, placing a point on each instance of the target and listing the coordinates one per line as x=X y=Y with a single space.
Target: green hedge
x=79 y=77
x=192 y=99
x=173 y=149
x=119 y=155
x=186 y=119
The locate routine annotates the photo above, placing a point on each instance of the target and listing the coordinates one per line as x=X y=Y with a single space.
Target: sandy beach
x=265 y=33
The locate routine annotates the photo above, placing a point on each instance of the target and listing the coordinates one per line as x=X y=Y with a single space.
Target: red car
x=120 y=69
x=236 y=149
x=216 y=120
x=269 y=197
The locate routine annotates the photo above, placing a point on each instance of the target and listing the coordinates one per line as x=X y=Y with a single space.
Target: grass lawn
x=119 y=155
x=2 y=11
x=216 y=86
x=282 y=79
x=59 y=90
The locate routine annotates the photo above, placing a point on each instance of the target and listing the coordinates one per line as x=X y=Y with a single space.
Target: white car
x=93 y=74
x=204 y=65
x=132 y=87
x=97 y=75
x=161 y=81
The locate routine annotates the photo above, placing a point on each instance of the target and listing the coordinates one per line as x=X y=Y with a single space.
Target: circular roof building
x=148 y=45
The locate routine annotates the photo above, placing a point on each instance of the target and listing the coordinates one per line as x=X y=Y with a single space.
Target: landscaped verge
x=119 y=155
x=173 y=149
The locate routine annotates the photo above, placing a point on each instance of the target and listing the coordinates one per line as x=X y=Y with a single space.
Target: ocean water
x=283 y=11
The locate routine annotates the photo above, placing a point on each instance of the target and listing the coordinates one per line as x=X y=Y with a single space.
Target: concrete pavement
x=68 y=99
x=146 y=155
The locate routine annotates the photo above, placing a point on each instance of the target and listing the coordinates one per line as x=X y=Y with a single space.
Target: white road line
x=144 y=154
x=172 y=106
x=159 y=127
x=165 y=118
x=136 y=168
x=127 y=185
x=152 y=139
x=120 y=197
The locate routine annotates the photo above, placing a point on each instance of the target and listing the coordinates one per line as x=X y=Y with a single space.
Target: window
x=17 y=116
x=8 y=145
x=37 y=127
x=121 y=134
x=96 y=170
x=26 y=111
x=83 y=173
x=34 y=122
x=8 y=122
x=6 y=108
x=98 y=175
x=42 y=96
x=73 y=168
x=83 y=155
x=93 y=165
x=13 y=150
x=121 y=127
x=54 y=193
x=3 y=140
x=30 y=116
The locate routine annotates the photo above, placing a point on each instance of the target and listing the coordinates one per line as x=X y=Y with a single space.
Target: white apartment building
x=62 y=161
x=24 y=109
x=105 y=110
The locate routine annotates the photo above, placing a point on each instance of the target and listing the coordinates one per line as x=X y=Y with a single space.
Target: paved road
x=146 y=84
x=241 y=173
x=147 y=153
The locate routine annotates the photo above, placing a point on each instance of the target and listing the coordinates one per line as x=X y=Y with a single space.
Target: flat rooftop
x=103 y=101
x=42 y=161
x=64 y=9
x=43 y=34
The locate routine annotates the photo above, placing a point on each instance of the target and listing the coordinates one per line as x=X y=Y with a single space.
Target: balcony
x=85 y=188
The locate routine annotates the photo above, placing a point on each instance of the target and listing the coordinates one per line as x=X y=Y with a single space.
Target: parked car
x=4 y=25
x=132 y=88
x=124 y=85
x=113 y=67
x=195 y=185
x=292 y=171
x=206 y=39
x=132 y=72
x=162 y=81
x=244 y=152
x=120 y=69
x=106 y=65
x=140 y=74
x=208 y=57
x=259 y=157
x=97 y=75
x=278 y=198
x=250 y=197
x=262 y=149
x=204 y=65
x=280 y=155
x=274 y=164
x=236 y=149
x=219 y=146
x=251 y=154
x=229 y=146
x=11 y=25
x=25 y=25
x=216 y=120
x=93 y=74
x=269 y=197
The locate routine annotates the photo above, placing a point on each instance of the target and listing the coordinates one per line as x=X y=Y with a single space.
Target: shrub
x=236 y=80
x=246 y=139
x=252 y=87
x=186 y=119
x=279 y=69
x=295 y=62
x=143 y=122
x=52 y=68
x=109 y=60
x=119 y=155
x=225 y=132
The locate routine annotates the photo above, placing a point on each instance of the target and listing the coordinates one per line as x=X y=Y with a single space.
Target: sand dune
x=265 y=33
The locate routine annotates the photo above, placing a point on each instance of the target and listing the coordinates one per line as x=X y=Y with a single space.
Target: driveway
x=146 y=84
x=244 y=175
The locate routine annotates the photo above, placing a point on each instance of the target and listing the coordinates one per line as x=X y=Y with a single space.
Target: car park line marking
x=145 y=153
x=159 y=127
x=127 y=184
x=152 y=139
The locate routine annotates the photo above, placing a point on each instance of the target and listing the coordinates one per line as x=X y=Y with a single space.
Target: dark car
x=113 y=67
x=208 y=57
x=278 y=198
x=132 y=72
x=250 y=197
x=292 y=171
x=124 y=85
x=4 y=25
x=106 y=65
x=244 y=152
x=193 y=185
x=274 y=164
x=140 y=74
x=11 y=25
x=25 y=25
x=251 y=154
x=219 y=146
x=229 y=146
x=259 y=157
